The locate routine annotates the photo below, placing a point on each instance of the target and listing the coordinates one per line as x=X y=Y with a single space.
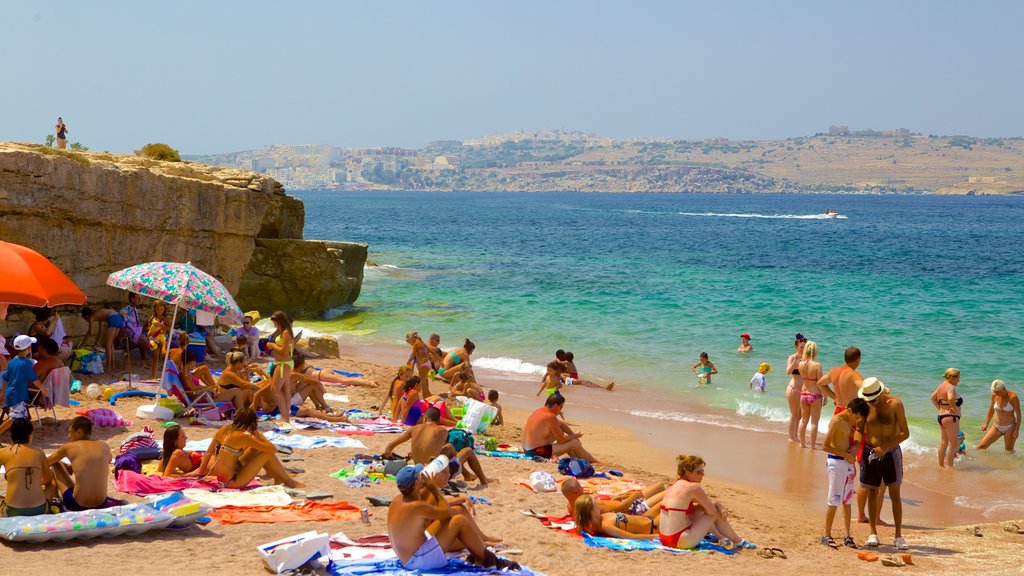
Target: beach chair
x=58 y=386
x=201 y=404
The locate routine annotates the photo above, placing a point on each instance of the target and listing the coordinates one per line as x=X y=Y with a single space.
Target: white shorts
x=428 y=557
x=19 y=410
x=840 y=481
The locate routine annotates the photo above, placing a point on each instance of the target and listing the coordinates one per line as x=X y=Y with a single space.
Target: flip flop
x=907 y=559
x=977 y=531
x=1013 y=527
x=534 y=514
x=379 y=500
x=868 y=557
x=766 y=553
x=849 y=542
x=778 y=553
x=319 y=495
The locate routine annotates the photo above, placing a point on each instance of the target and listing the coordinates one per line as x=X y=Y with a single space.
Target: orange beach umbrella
x=27 y=278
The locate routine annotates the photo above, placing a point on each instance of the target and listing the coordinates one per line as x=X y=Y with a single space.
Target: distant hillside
x=868 y=161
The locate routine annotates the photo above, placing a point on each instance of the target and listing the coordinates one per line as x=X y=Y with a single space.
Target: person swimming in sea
x=745 y=343
x=704 y=368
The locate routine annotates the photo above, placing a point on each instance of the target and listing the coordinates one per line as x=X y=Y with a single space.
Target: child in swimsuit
x=704 y=368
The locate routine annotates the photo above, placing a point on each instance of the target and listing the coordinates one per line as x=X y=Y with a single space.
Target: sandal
x=849 y=542
x=868 y=557
x=529 y=512
x=766 y=553
x=830 y=542
x=778 y=553
x=1013 y=527
x=977 y=531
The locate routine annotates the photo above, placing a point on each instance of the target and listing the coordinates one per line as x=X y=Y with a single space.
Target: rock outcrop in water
x=93 y=214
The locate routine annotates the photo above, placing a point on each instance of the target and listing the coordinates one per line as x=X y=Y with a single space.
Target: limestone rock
x=284 y=218
x=326 y=346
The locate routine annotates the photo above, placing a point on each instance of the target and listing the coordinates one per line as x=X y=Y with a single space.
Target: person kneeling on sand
x=590 y=519
x=544 y=436
x=90 y=466
x=239 y=451
x=639 y=503
x=446 y=531
x=26 y=473
x=841 y=443
x=687 y=514
x=430 y=439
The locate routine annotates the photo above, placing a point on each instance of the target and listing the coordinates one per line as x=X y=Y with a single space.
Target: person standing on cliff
x=62 y=134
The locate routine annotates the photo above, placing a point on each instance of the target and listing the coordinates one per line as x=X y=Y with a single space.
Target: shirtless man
x=429 y=439
x=421 y=533
x=544 y=436
x=114 y=322
x=841 y=444
x=885 y=429
x=46 y=358
x=637 y=503
x=90 y=465
x=26 y=472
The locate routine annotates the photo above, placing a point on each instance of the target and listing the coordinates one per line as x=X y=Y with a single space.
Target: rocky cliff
x=93 y=214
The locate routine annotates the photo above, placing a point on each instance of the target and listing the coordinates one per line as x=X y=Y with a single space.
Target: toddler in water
x=704 y=368
x=758 y=381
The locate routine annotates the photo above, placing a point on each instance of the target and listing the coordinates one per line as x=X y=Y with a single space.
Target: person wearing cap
x=885 y=428
x=947 y=402
x=1004 y=414
x=745 y=343
x=446 y=531
x=795 y=386
x=758 y=381
x=20 y=376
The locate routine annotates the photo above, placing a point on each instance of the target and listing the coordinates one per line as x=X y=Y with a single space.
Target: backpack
x=577 y=467
x=127 y=462
x=460 y=439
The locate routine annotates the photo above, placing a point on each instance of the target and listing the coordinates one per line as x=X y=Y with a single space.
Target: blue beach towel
x=348 y=374
x=626 y=544
x=308 y=442
x=391 y=567
x=503 y=454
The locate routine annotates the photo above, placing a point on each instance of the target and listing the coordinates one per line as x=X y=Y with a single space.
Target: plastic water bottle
x=435 y=467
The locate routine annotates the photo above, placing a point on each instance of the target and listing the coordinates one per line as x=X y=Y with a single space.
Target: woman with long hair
x=394 y=395
x=590 y=519
x=456 y=361
x=420 y=358
x=794 y=387
x=239 y=451
x=812 y=396
x=1004 y=414
x=947 y=403
x=176 y=460
x=281 y=349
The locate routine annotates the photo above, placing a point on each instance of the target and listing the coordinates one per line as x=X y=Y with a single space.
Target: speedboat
x=831 y=214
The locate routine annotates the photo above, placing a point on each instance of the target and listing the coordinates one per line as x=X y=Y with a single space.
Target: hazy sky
x=219 y=76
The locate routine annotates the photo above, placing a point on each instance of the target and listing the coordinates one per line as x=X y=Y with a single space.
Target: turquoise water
x=637 y=285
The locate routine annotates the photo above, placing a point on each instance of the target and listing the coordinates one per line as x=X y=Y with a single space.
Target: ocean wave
x=505 y=364
x=769 y=413
x=709 y=419
x=769 y=216
x=989 y=505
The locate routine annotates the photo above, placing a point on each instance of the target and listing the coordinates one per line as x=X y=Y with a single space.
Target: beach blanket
x=310 y=442
x=336 y=398
x=131 y=482
x=377 y=546
x=653 y=544
x=600 y=487
x=517 y=455
x=456 y=567
x=104 y=417
x=201 y=445
x=306 y=512
x=365 y=428
x=346 y=374
x=275 y=495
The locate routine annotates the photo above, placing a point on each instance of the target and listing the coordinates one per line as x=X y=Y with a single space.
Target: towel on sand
x=377 y=547
x=456 y=567
x=307 y=512
x=653 y=544
x=263 y=496
x=131 y=482
x=296 y=441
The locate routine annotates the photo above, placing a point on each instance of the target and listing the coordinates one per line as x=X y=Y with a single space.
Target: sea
x=637 y=285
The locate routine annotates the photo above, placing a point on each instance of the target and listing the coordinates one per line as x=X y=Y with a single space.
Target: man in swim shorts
x=544 y=436
x=429 y=439
x=638 y=502
x=90 y=466
x=845 y=379
x=423 y=550
x=841 y=447
x=885 y=428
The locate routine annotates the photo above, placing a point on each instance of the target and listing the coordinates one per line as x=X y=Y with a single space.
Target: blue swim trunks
x=115 y=321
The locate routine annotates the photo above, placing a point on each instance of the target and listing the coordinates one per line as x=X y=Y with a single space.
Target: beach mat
x=391 y=567
x=131 y=482
x=310 y=442
x=306 y=512
x=624 y=544
x=275 y=495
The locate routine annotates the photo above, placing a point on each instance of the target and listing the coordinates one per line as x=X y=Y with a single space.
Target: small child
x=492 y=400
x=758 y=380
x=704 y=368
x=841 y=445
x=20 y=376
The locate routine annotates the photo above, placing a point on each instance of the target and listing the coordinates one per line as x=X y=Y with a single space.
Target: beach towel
x=377 y=547
x=515 y=454
x=363 y=428
x=653 y=544
x=307 y=512
x=310 y=442
x=139 y=441
x=275 y=495
x=336 y=398
x=456 y=567
x=131 y=482
x=347 y=374
x=104 y=417
x=201 y=445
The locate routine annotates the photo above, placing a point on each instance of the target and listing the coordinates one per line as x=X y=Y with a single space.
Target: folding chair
x=201 y=404
x=58 y=385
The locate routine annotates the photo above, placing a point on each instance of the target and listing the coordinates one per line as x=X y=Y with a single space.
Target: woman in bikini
x=395 y=391
x=812 y=396
x=239 y=451
x=1005 y=408
x=590 y=519
x=320 y=375
x=234 y=383
x=177 y=461
x=464 y=385
x=420 y=358
x=281 y=348
x=456 y=360
x=409 y=409
x=947 y=402
x=687 y=514
x=25 y=471
x=795 y=386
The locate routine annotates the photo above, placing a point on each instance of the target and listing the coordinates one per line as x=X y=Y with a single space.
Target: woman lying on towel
x=239 y=451
x=176 y=460
x=687 y=514
x=590 y=519
x=320 y=375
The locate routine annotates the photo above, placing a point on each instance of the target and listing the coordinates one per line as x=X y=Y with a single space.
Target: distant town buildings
x=838 y=130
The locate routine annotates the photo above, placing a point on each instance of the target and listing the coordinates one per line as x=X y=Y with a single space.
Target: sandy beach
x=784 y=513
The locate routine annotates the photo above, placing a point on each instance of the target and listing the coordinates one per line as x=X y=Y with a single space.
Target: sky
x=222 y=76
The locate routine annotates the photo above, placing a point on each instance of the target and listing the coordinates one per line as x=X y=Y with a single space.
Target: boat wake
x=766 y=216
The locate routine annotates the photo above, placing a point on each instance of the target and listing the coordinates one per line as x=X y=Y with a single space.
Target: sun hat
x=998 y=385
x=871 y=388
x=764 y=368
x=745 y=335
x=406 y=477
x=22 y=342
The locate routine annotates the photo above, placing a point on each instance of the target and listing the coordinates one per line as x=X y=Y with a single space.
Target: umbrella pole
x=167 y=354
x=128 y=350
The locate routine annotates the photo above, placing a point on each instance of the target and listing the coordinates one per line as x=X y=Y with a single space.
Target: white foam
x=709 y=419
x=769 y=216
x=506 y=364
x=769 y=413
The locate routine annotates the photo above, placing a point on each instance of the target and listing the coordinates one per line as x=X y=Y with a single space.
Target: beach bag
x=478 y=416
x=90 y=363
x=460 y=439
x=127 y=462
x=543 y=482
x=174 y=405
x=576 y=467
x=78 y=359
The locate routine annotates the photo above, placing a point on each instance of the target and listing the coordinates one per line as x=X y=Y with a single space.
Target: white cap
x=22 y=342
